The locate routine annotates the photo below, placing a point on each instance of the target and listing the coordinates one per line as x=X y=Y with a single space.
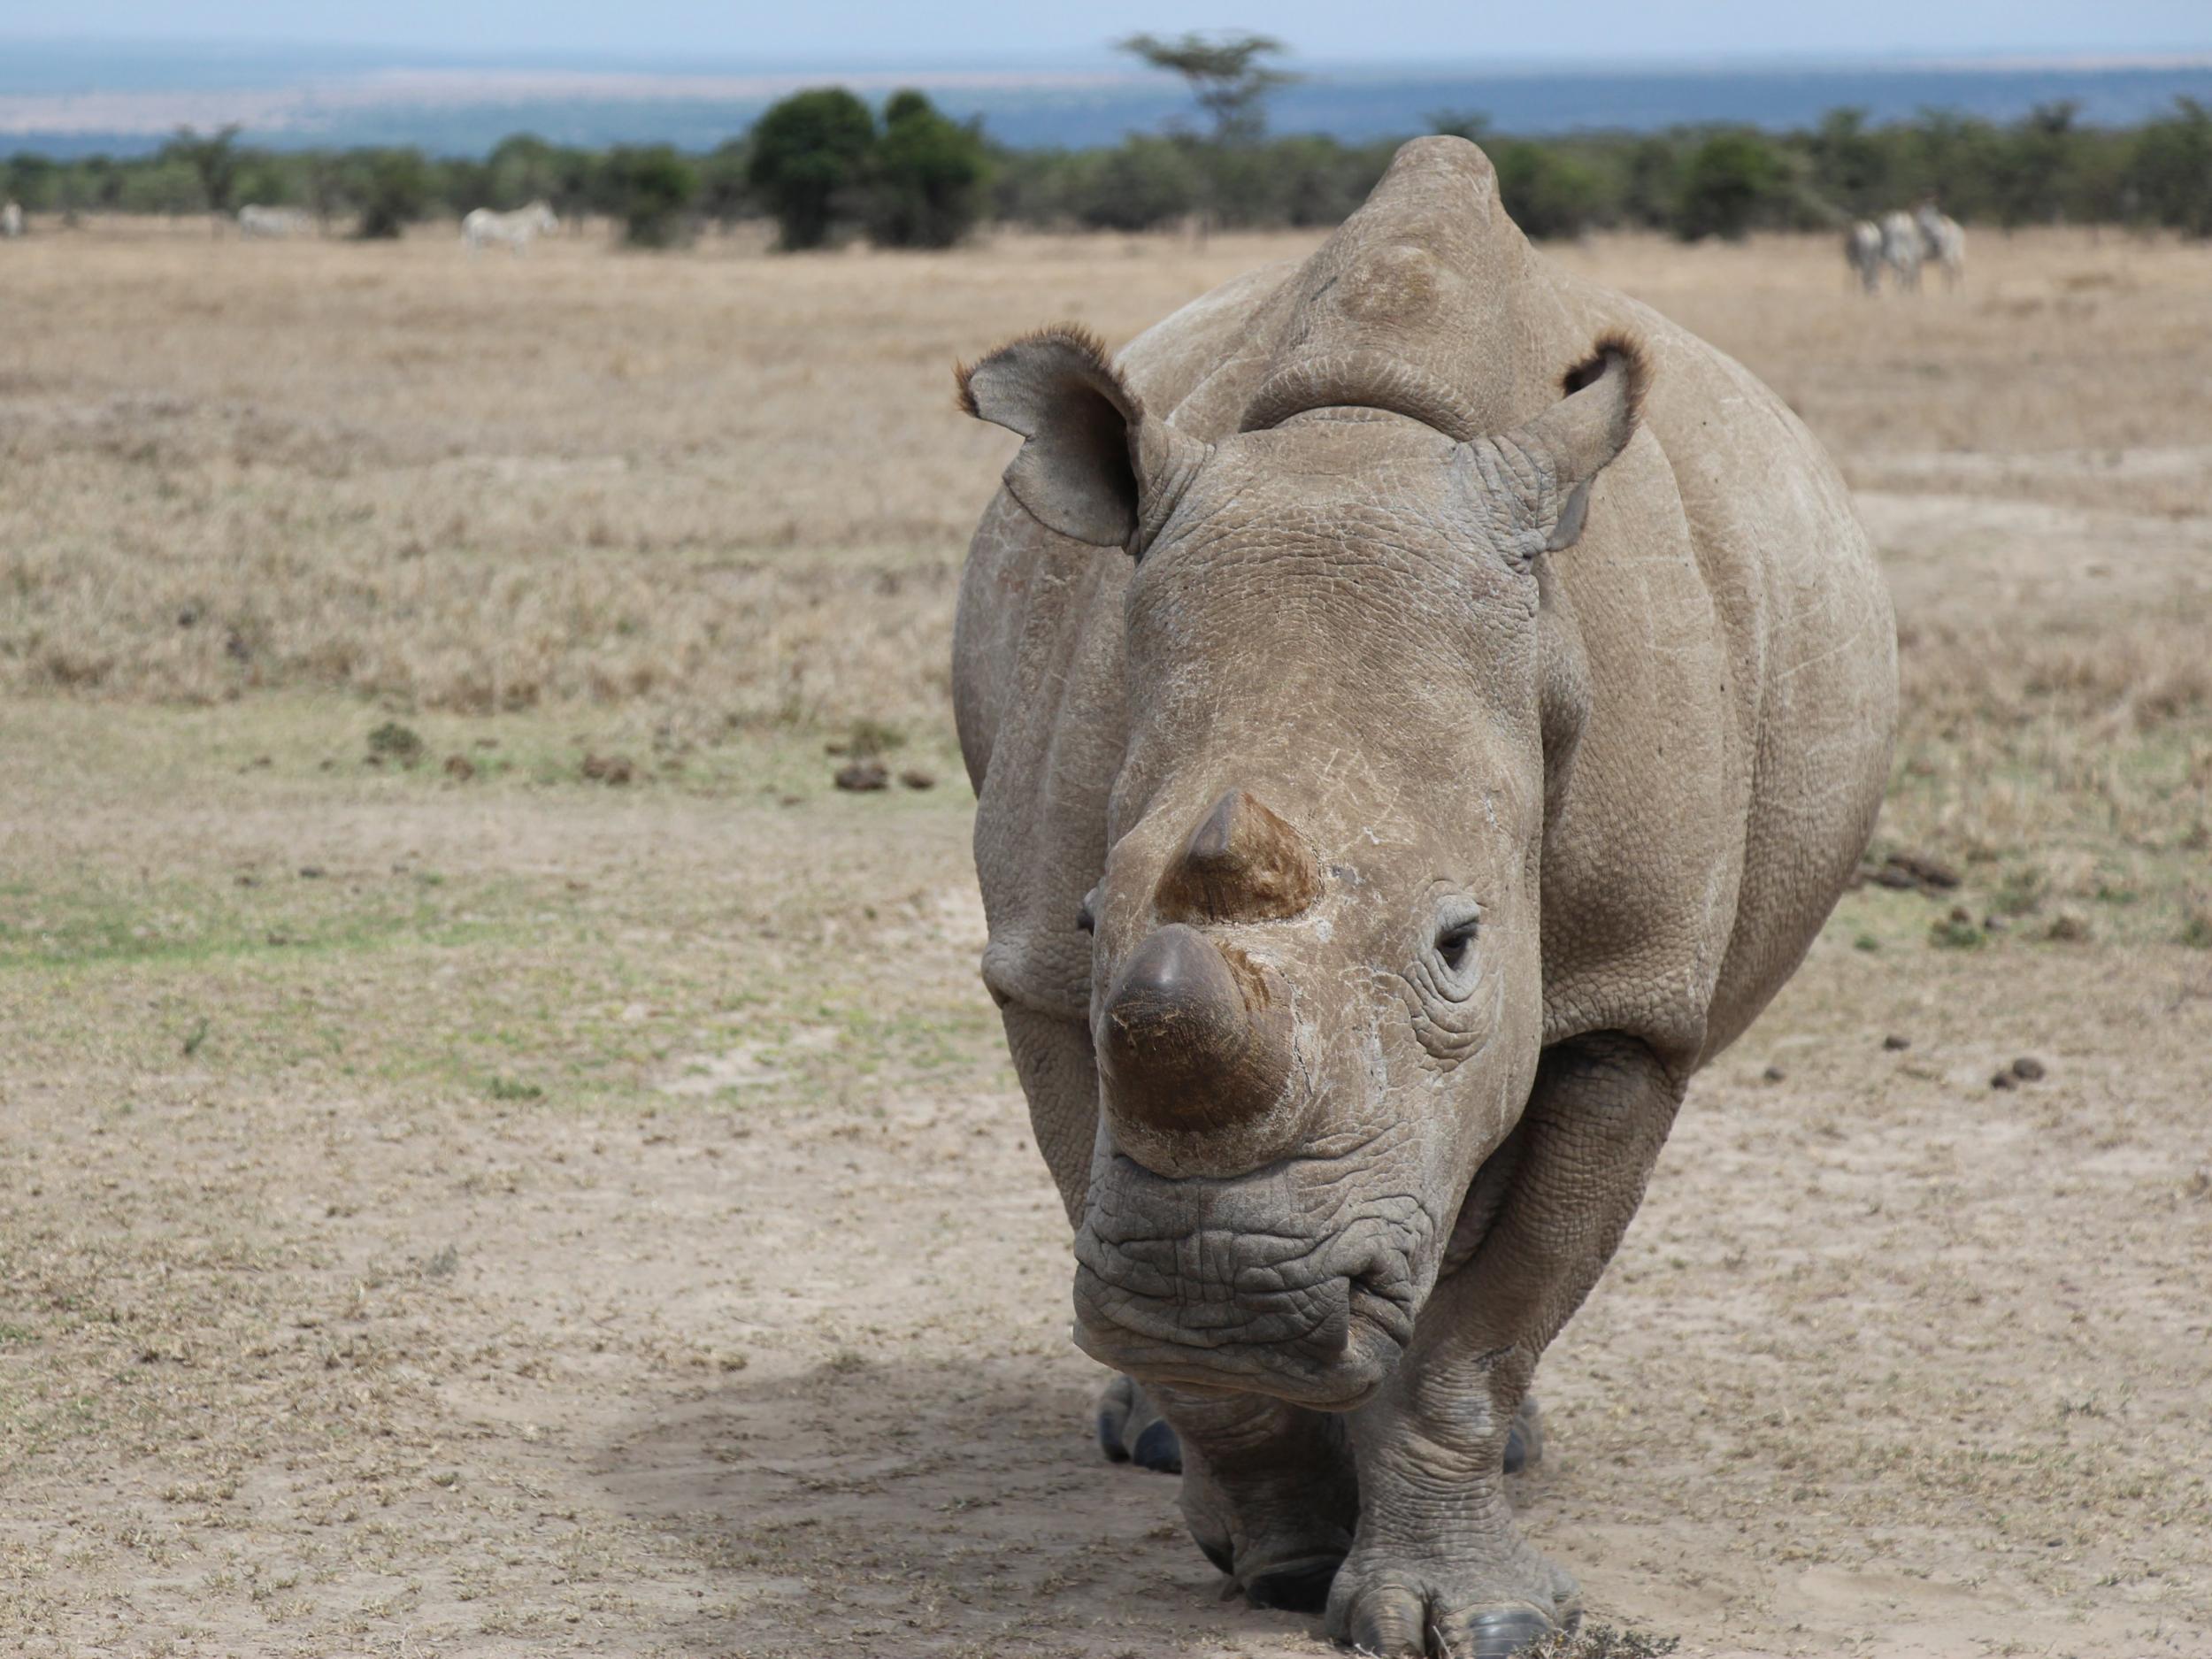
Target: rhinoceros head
x=1318 y=992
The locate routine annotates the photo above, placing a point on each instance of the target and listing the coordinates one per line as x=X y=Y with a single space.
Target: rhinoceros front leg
x=1059 y=1074
x=1438 y=1566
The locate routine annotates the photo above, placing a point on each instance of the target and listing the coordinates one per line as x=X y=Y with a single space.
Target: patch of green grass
x=1956 y=932
x=554 y=980
x=188 y=922
x=402 y=745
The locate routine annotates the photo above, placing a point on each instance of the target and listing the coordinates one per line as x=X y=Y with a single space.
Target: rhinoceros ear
x=1540 y=474
x=1094 y=467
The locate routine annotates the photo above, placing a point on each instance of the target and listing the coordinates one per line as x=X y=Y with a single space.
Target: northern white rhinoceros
x=1422 y=705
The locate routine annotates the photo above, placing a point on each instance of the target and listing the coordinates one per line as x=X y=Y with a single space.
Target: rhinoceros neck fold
x=1419 y=305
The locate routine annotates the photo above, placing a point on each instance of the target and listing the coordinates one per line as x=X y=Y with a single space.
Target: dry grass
x=728 y=487
x=491 y=1208
x=725 y=490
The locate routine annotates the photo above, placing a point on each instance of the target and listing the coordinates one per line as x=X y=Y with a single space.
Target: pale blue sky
x=829 y=32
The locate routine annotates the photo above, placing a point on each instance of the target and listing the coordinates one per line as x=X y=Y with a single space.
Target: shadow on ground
x=883 y=1506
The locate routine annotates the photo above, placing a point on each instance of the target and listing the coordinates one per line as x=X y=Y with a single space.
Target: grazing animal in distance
x=1901 y=250
x=1862 y=252
x=517 y=230
x=257 y=221
x=1943 y=240
x=1422 y=705
x=10 y=219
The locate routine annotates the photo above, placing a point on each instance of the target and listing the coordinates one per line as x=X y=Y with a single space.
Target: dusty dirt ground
x=498 y=1156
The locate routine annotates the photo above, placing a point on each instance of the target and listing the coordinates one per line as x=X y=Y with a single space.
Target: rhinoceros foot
x=1489 y=1604
x=1131 y=1430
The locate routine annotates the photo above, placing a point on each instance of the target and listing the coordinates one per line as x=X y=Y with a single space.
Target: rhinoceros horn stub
x=1242 y=863
x=1191 y=1040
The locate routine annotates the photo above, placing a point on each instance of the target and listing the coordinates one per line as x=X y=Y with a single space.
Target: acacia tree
x=1230 y=80
x=1224 y=74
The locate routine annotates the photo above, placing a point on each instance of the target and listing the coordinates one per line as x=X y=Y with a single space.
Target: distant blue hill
x=64 y=99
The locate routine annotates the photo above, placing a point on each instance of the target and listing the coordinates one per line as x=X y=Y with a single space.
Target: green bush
x=1729 y=182
x=2169 y=177
x=929 y=179
x=212 y=157
x=170 y=186
x=809 y=158
x=652 y=188
x=1546 y=192
x=1849 y=167
x=724 y=194
x=1651 y=183
x=1143 y=183
x=819 y=160
x=520 y=169
x=393 y=187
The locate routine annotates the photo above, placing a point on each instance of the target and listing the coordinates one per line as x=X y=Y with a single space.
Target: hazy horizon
x=75 y=95
x=822 y=37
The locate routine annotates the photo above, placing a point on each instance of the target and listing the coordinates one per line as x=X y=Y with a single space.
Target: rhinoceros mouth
x=1225 y=1285
x=1338 y=1366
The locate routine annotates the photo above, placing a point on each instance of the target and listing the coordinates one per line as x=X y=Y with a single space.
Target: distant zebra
x=1943 y=241
x=517 y=230
x=255 y=220
x=1862 y=252
x=1901 y=250
x=12 y=219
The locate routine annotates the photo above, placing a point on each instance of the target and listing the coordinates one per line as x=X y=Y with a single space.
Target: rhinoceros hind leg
x=1524 y=1440
x=1269 y=1493
x=1131 y=1430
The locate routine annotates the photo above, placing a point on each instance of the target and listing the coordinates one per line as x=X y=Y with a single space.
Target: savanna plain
x=499 y=1156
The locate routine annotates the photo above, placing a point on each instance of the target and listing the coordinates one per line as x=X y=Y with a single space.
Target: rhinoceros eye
x=1454 y=941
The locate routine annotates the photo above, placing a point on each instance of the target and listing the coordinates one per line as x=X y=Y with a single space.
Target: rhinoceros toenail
x=1501 y=1635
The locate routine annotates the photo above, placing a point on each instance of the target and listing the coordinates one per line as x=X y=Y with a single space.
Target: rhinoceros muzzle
x=1267 y=1282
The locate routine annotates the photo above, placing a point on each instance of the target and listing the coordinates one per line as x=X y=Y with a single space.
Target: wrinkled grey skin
x=1427 y=642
